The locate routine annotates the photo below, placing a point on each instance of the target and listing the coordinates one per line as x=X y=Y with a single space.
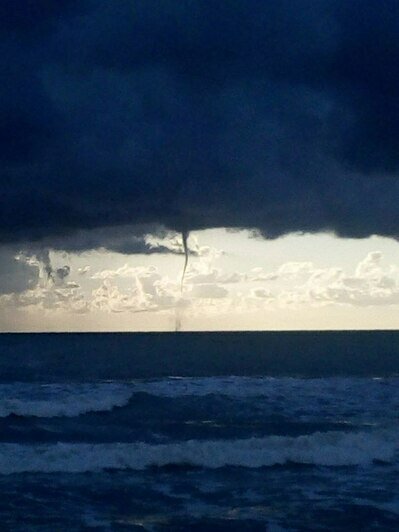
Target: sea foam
x=324 y=449
x=61 y=400
x=341 y=397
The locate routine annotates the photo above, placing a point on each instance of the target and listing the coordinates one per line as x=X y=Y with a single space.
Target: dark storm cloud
x=124 y=239
x=276 y=115
x=16 y=274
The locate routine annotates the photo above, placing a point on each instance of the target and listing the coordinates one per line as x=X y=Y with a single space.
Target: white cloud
x=69 y=298
x=124 y=271
x=370 y=284
x=149 y=290
x=51 y=290
x=294 y=269
x=370 y=266
x=174 y=243
x=199 y=275
x=84 y=270
x=287 y=271
x=107 y=297
x=209 y=291
x=263 y=293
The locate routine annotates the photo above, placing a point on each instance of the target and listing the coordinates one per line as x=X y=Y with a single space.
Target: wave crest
x=326 y=449
x=61 y=400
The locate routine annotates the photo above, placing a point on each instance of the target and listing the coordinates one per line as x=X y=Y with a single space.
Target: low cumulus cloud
x=207 y=289
x=120 y=119
x=48 y=294
x=48 y=289
x=370 y=284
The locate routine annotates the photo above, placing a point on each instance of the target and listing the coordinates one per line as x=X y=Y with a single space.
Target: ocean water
x=201 y=431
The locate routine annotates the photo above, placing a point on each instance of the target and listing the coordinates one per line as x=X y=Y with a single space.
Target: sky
x=265 y=132
x=234 y=281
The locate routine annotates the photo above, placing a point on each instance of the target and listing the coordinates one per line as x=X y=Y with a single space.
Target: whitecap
x=61 y=400
x=324 y=449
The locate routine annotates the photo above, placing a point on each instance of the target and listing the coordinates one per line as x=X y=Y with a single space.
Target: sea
x=221 y=431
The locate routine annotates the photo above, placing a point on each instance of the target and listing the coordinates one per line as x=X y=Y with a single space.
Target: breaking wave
x=290 y=395
x=61 y=400
x=324 y=449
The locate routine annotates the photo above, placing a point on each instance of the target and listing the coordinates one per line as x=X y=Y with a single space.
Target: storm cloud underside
x=279 y=116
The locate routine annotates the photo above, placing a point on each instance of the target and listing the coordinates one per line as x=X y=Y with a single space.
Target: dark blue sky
x=276 y=115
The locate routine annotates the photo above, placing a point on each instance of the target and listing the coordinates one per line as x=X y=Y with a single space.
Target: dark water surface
x=199 y=431
x=142 y=355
